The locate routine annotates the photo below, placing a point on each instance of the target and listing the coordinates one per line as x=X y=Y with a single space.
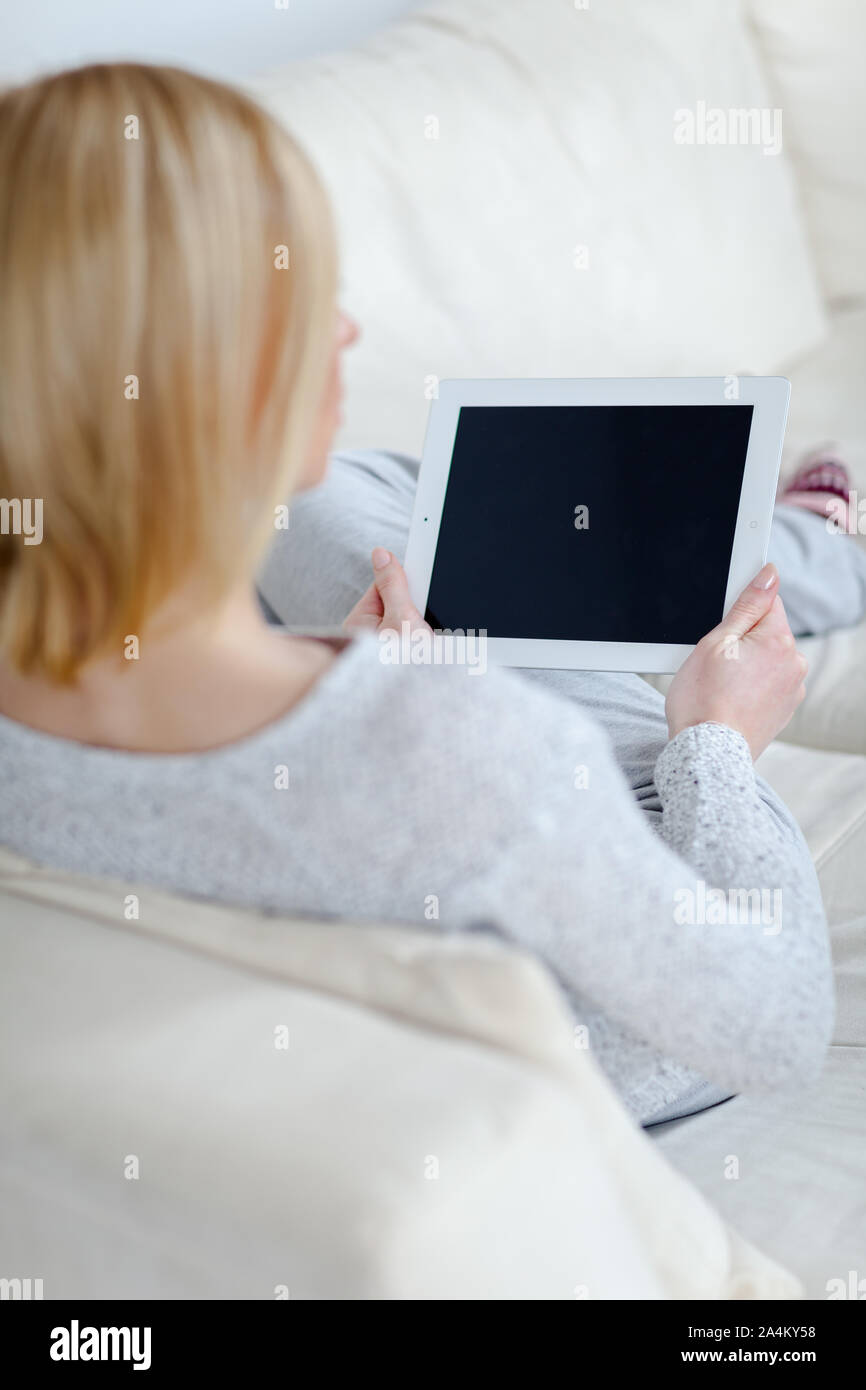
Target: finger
x=367 y=611
x=776 y=626
x=774 y=621
x=390 y=580
x=752 y=605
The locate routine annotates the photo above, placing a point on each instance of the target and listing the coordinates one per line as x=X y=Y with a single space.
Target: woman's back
x=428 y=795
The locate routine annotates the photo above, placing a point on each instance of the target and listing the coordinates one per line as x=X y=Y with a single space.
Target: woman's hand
x=386 y=605
x=746 y=673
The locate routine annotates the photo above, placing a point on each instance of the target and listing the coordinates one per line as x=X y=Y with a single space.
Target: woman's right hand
x=746 y=673
x=387 y=604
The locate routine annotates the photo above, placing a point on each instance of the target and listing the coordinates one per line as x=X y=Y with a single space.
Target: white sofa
x=430 y=1129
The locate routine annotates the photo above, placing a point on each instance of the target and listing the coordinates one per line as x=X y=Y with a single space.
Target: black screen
x=661 y=487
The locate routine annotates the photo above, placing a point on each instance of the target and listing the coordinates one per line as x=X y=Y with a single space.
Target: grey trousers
x=320 y=566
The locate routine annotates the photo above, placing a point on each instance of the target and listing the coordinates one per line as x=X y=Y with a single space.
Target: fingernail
x=381 y=558
x=766 y=578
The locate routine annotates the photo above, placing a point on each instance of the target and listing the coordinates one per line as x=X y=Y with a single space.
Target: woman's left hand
x=386 y=605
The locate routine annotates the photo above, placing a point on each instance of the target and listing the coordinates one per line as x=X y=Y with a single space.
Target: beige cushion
x=796 y=1186
x=827 y=398
x=828 y=404
x=313 y=1168
x=827 y=793
x=813 y=56
x=554 y=129
x=833 y=715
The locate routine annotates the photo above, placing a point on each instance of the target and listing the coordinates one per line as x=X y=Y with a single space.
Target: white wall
x=229 y=38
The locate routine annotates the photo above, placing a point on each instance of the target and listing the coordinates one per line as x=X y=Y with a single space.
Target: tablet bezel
x=768 y=395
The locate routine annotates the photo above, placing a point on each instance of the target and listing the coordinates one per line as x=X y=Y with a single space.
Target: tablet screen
x=590 y=523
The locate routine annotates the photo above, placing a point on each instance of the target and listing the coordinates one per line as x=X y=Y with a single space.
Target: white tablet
x=597 y=524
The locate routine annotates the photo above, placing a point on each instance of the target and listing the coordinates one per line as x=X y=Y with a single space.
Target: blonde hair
x=160 y=368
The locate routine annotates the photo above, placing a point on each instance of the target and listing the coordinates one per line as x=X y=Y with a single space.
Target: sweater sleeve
x=706 y=943
x=755 y=876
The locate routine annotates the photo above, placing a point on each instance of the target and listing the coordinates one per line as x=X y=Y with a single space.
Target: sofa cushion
x=827 y=793
x=430 y=1131
x=789 y=1171
x=512 y=201
x=828 y=404
x=813 y=56
x=833 y=715
x=157 y=1142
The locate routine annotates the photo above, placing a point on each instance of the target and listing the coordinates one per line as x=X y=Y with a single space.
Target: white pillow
x=307 y=1165
x=472 y=148
x=814 y=57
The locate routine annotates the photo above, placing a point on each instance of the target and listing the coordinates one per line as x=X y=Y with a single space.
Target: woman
x=169 y=373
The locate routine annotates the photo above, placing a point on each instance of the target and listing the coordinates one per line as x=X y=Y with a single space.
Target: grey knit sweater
x=453 y=801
